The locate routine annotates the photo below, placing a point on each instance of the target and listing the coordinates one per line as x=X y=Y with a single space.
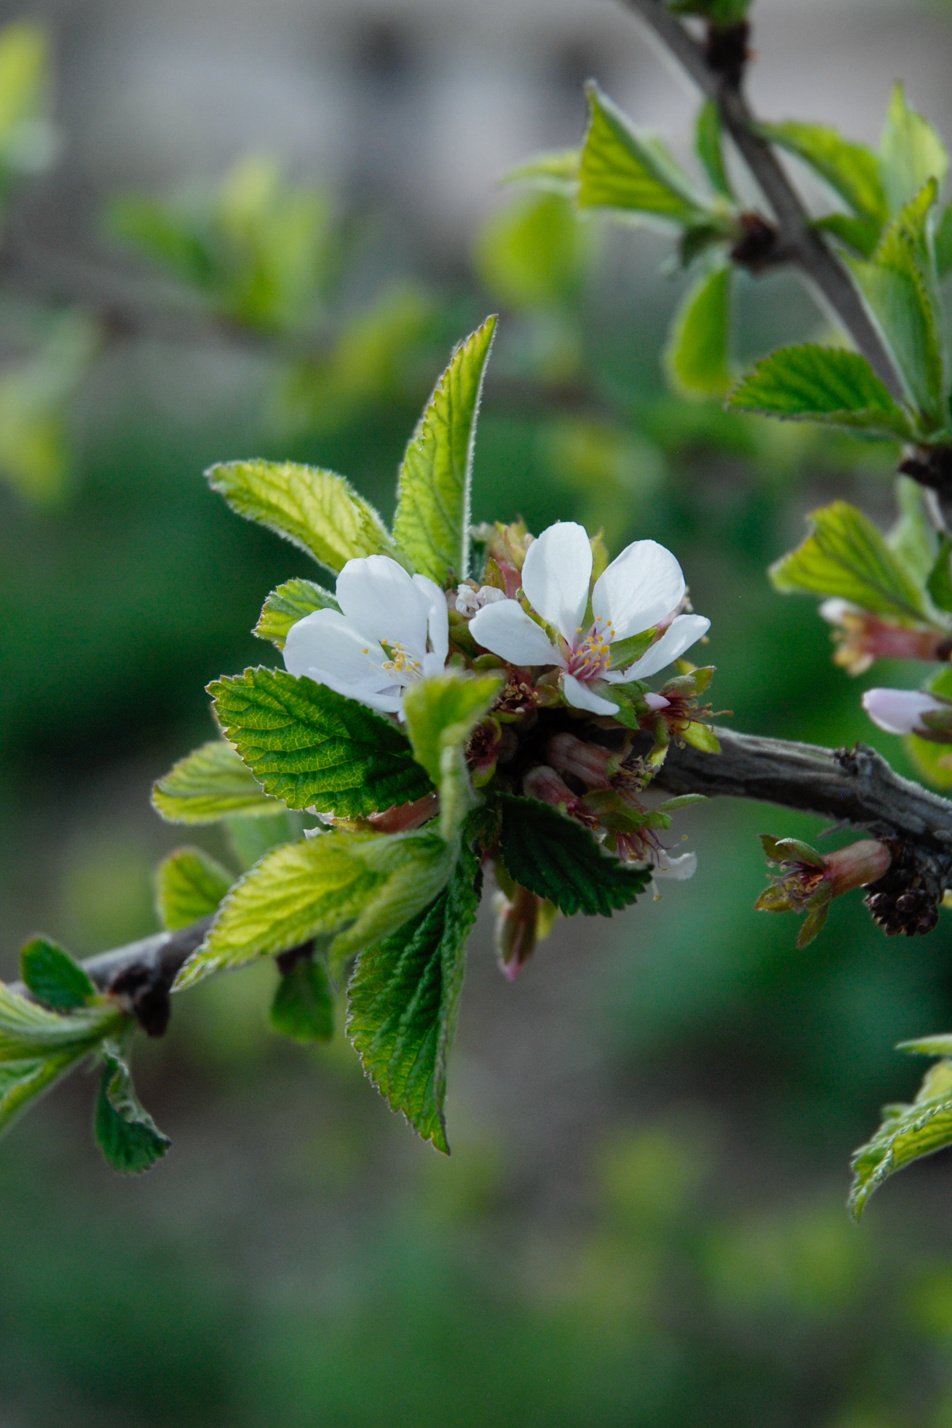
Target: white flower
x=900 y=711
x=641 y=589
x=392 y=630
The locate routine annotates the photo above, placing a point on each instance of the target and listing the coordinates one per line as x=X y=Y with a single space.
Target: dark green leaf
x=126 y=1133
x=939 y=584
x=303 y=1005
x=287 y=604
x=822 y=384
x=312 y=747
x=403 y=1001
x=558 y=859
x=53 y=977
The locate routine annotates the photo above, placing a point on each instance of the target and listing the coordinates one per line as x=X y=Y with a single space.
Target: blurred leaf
x=913 y=538
x=556 y=858
x=851 y=170
x=696 y=357
x=374 y=882
x=190 y=885
x=312 y=747
x=440 y=714
x=847 y=556
x=721 y=13
x=912 y=152
x=432 y=520
x=939 y=583
x=303 y=1004
x=250 y=838
x=165 y=235
x=632 y=172
x=23 y=1081
x=35 y=394
x=860 y=234
x=531 y=253
x=316 y=510
x=53 y=977
x=933 y=761
x=709 y=144
x=289 y=603
x=943 y=242
x=27 y=141
x=822 y=384
x=403 y=1000
x=208 y=784
x=555 y=171
x=908 y=1132
x=125 y=1132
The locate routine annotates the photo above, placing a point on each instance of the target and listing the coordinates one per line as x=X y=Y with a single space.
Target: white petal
x=556 y=576
x=326 y=647
x=382 y=601
x=900 y=711
x=834 y=609
x=437 y=619
x=506 y=630
x=681 y=634
x=583 y=696
x=679 y=869
x=639 y=589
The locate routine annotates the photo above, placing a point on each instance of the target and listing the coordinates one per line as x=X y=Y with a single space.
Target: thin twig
x=802 y=244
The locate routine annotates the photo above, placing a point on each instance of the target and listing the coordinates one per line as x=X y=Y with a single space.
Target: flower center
x=401 y=661
x=591 y=656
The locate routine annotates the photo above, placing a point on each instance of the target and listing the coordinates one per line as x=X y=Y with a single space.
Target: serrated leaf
x=315 y=509
x=303 y=1004
x=125 y=1132
x=822 y=384
x=845 y=555
x=912 y=152
x=366 y=883
x=314 y=748
x=403 y=1000
x=851 y=170
x=441 y=713
x=289 y=603
x=22 y=1082
x=908 y=1132
x=696 y=356
x=555 y=170
x=53 y=977
x=190 y=885
x=432 y=520
x=631 y=172
x=558 y=859
x=211 y=783
x=709 y=145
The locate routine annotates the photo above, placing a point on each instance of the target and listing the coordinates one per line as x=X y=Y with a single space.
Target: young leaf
x=441 y=713
x=28 y=1030
x=286 y=605
x=374 y=882
x=908 y=1132
x=315 y=509
x=23 y=1081
x=696 y=357
x=53 y=977
x=127 y=1135
x=314 y=748
x=913 y=539
x=851 y=170
x=303 y=1005
x=708 y=142
x=939 y=583
x=555 y=172
x=250 y=838
x=912 y=152
x=822 y=384
x=845 y=555
x=431 y=525
x=208 y=784
x=631 y=172
x=558 y=859
x=190 y=885
x=403 y=999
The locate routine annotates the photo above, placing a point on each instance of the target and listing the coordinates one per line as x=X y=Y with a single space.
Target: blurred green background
x=643 y=1219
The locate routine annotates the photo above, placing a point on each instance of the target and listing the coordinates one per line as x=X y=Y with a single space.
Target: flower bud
x=910 y=711
x=543 y=783
x=517 y=930
x=862 y=637
x=592 y=764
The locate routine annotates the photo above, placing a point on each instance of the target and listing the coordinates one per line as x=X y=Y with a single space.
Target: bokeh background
x=259 y=230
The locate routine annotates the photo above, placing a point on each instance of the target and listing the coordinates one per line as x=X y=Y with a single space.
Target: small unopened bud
x=517 y=930
x=910 y=711
x=862 y=637
x=543 y=783
x=407 y=815
x=592 y=764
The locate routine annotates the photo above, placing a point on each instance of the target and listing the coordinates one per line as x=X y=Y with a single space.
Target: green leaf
x=432 y=520
x=303 y=1005
x=625 y=652
x=28 y=1030
x=403 y=1000
x=943 y=242
x=912 y=152
x=696 y=357
x=369 y=882
x=190 y=885
x=555 y=171
x=289 y=603
x=250 y=838
x=558 y=859
x=851 y=170
x=530 y=254
x=822 y=384
x=315 y=509
x=53 y=977
x=314 y=748
x=208 y=784
x=441 y=713
x=126 y=1134
x=709 y=145
x=939 y=583
x=860 y=234
x=23 y=1081
x=846 y=556
x=632 y=172
x=907 y=1133
x=913 y=539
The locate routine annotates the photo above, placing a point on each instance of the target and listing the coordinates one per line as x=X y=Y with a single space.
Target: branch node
x=726 y=52
x=143 y=992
